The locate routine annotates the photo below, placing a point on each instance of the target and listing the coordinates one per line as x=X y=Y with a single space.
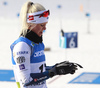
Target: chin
x=39 y=35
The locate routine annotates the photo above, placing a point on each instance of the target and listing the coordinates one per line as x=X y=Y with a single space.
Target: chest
x=37 y=59
x=37 y=54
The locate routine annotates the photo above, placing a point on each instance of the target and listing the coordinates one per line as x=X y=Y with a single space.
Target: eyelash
x=42 y=25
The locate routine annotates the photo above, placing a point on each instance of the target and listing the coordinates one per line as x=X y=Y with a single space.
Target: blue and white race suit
x=27 y=57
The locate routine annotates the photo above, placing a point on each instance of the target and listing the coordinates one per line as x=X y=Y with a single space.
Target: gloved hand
x=58 y=69
x=64 y=68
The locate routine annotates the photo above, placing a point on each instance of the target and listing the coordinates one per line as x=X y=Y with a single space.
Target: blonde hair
x=28 y=7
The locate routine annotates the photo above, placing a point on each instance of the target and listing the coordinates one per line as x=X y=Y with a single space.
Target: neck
x=33 y=37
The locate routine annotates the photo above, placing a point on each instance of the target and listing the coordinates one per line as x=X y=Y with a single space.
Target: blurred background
x=82 y=16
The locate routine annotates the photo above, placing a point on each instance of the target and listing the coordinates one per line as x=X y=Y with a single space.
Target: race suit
x=27 y=57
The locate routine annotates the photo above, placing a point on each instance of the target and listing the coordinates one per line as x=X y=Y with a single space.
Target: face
x=39 y=28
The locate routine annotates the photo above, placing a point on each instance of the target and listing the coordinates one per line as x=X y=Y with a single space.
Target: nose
x=44 y=28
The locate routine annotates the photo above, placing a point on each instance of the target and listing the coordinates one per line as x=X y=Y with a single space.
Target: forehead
x=43 y=23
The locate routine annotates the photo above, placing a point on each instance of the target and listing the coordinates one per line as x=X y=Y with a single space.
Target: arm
x=22 y=53
x=58 y=69
x=39 y=77
x=49 y=67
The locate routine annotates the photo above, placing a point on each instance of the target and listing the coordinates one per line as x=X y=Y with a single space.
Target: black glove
x=64 y=68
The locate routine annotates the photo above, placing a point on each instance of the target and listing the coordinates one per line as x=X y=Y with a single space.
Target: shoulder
x=22 y=46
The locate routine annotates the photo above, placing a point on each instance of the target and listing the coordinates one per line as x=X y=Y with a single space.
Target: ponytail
x=23 y=17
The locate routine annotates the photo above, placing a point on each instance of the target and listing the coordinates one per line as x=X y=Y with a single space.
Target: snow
x=87 y=54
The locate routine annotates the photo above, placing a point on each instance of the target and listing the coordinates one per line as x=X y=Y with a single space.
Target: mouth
x=40 y=34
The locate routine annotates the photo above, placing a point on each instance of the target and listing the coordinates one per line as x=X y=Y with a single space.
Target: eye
x=43 y=25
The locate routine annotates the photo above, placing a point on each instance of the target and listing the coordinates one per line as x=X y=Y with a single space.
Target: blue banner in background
x=7 y=75
x=87 y=78
x=83 y=78
x=69 y=40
